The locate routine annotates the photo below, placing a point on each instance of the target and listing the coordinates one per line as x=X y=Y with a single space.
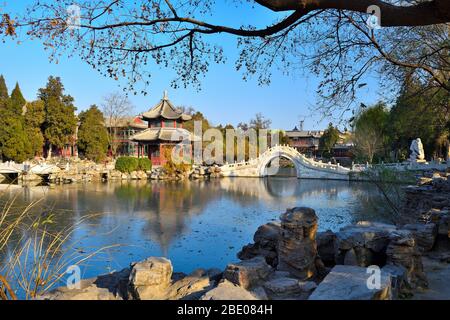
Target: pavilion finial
x=166 y=95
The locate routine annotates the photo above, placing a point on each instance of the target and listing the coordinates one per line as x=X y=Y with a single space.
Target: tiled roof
x=134 y=122
x=304 y=134
x=163 y=134
x=165 y=109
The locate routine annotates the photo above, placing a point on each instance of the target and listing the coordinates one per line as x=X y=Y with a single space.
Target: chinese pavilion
x=165 y=130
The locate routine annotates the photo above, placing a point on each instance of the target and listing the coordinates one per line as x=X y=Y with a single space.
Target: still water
x=195 y=223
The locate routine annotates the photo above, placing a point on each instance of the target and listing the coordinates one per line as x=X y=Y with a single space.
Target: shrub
x=171 y=167
x=127 y=164
x=144 y=164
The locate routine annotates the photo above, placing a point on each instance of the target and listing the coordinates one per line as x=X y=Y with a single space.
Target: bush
x=144 y=164
x=171 y=167
x=127 y=164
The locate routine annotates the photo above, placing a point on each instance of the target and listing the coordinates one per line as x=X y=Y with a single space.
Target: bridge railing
x=403 y=166
x=289 y=151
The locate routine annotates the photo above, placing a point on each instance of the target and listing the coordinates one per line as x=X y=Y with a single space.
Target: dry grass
x=36 y=256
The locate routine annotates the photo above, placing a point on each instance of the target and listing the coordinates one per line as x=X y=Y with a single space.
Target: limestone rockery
x=288 y=260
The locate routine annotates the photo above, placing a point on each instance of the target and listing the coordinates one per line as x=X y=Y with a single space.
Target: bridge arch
x=263 y=170
x=305 y=167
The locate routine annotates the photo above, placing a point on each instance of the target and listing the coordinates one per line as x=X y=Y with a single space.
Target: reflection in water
x=195 y=223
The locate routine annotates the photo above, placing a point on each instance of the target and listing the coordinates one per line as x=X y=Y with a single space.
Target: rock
x=363 y=244
x=359 y=256
x=326 y=247
x=434 y=195
x=440 y=217
x=282 y=286
x=425 y=181
x=259 y=293
x=248 y=273
x=29 y=177
x=403 y=251
x=398 y=279
x=191 y=287
x=297 y=248
x=114 y=175
x=116 y=282
x=350 y=258
x=105 y=287
x=307 y=286
x=134 y=175
x=228 y=291
x=150 y=278
x=214 y=274
x=371 y=235
x=425 y=234
x=350 y=283
x=88 y=291
x=265 y=244
x=441 y=184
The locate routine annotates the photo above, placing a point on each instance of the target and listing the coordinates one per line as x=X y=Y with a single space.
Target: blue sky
x=224 y=97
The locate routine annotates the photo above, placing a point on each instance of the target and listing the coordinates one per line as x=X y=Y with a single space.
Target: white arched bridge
x=305 y=167
x=308 y=168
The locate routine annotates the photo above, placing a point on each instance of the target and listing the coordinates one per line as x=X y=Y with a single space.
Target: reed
x=36 y=256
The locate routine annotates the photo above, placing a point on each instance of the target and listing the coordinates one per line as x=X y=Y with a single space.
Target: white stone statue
x=417 y=153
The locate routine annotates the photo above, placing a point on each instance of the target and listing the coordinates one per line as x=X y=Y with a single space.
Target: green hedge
x=145 y=164
x=130 y=164
x=127 y=164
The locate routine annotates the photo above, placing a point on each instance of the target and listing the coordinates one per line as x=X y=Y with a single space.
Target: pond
x=196 y=224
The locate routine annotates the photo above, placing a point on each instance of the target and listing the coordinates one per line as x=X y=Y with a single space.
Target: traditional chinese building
x=306 y=142
x=123 y=129
x=165 y=130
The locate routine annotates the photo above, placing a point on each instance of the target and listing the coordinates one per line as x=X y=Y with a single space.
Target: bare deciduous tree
x=123 y=39
x=116 y=109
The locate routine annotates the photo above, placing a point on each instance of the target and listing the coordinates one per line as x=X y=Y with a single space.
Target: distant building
x=165 y=130
x=124 y=129
x=306 y=142
x=342 y=151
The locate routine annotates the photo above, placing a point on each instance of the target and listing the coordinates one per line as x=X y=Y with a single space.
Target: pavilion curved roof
x=165 y=109
x=164 y=134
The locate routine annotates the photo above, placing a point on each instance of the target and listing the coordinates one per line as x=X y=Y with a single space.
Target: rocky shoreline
x=289 y=259
x=86 y=171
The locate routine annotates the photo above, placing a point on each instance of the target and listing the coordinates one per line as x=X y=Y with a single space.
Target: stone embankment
x=196 y=173
x=87 y=171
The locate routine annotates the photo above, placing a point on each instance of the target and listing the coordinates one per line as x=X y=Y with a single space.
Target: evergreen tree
x=411 y=117
x=14 y=142
x=196 y=116
x=34 y=119
x=3 y=89
x=60 y=120
x=17 y=100
x=328 y=140
x=92 y=134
